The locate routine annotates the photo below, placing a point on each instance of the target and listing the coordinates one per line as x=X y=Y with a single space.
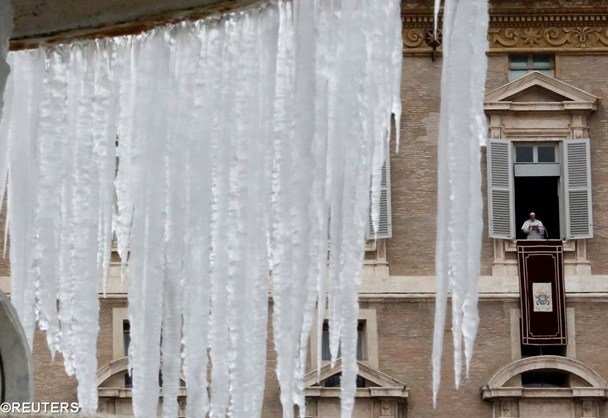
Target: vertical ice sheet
x=48 y=220
x=236 y=139
x=148 y=244
x=6 y=29
x=21 y=130
x=459 y=223
x=196 y=283
x=56 y=134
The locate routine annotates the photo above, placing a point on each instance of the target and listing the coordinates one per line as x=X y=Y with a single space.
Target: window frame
x=531 y=65
x=575 y=198
x=370 y=339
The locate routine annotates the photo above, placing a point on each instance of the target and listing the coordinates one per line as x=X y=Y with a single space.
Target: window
x=552 y=179
x=522 y=64
x=545 y=378
x=126 y=335
x=325 y=352
x=536 y=153
x=367 y=340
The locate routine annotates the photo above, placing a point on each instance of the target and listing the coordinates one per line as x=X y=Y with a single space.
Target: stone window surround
x=118 y=316
x=515 y=317
x=370 y=344
x=507 y=398
x=544 y=121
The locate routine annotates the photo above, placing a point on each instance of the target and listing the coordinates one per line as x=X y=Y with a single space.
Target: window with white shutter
x=500 y=189
x=385 y=229
x=577 y=189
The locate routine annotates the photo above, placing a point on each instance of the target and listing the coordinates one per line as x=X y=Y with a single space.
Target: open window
x=550 y=178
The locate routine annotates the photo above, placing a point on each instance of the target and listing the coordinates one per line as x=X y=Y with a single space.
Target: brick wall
x=587 y=72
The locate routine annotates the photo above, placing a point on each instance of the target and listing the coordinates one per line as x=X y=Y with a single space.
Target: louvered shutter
x=501 y=222
x=385 y=228
x=577 y=182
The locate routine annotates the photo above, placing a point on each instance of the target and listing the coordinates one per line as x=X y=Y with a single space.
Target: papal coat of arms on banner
x=543 y=300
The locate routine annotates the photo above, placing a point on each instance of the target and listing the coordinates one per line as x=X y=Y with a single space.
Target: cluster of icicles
x=215 y=152
x=462 y=132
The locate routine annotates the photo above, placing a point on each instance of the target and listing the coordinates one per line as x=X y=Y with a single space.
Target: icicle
x=222 y=137
x=23 y=173
x=126 y=74
x=459 y=223
x=147 y=261
x=181 y=100
x=47 y=222
x=281 y=249
x=437 y=6
x=197 y=283
x=104 y=137
x=6 y=29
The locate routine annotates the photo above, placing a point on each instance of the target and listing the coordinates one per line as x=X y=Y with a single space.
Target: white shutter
x=385 y=227
x=501 y=222
x=577 y=188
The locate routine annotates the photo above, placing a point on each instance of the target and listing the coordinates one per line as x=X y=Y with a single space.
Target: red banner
x=541 y=284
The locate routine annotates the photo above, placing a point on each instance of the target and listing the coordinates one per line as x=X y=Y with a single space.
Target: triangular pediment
x=374 y=377
x=537 y=89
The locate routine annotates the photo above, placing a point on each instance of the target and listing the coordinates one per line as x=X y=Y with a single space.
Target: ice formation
x=6 y=28
x=459 y=217
x=216 y=153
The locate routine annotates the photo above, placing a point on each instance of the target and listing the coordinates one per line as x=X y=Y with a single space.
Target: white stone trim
x=118 y=316
x=16 y=372
x=370 y=344
x=565 y=364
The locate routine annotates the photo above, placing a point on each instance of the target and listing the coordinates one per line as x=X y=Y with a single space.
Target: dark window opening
x=543 y=350
x=545 y=378
x=335 y=381
x=524 y=154
x=546 y=154
x=126 y=335
x=128 y=380
x=325 y=352
x=538 y=195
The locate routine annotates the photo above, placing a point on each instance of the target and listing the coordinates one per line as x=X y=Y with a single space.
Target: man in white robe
x=533 y=228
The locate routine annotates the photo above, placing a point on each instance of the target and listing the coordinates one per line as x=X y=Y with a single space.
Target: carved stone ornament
x=508 y=409
x=579 y=37
x=387 y=410
x=589 y=409
x=518 y=29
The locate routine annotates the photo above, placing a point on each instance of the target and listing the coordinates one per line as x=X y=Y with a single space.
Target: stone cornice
x=513 y=30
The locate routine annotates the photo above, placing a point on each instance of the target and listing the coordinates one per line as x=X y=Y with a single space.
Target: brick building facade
x=567 y=42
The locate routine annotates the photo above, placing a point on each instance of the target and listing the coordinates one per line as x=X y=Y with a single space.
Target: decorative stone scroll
x=578 y=37
x=572 y=30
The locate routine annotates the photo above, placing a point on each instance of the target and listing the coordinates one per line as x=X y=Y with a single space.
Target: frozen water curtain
x=237 y=137
x=6 y=28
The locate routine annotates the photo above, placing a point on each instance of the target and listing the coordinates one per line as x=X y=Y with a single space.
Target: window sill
x=511 y=245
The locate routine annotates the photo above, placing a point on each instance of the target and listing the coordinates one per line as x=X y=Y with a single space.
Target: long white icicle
x=6 y=29
x=459 y=218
